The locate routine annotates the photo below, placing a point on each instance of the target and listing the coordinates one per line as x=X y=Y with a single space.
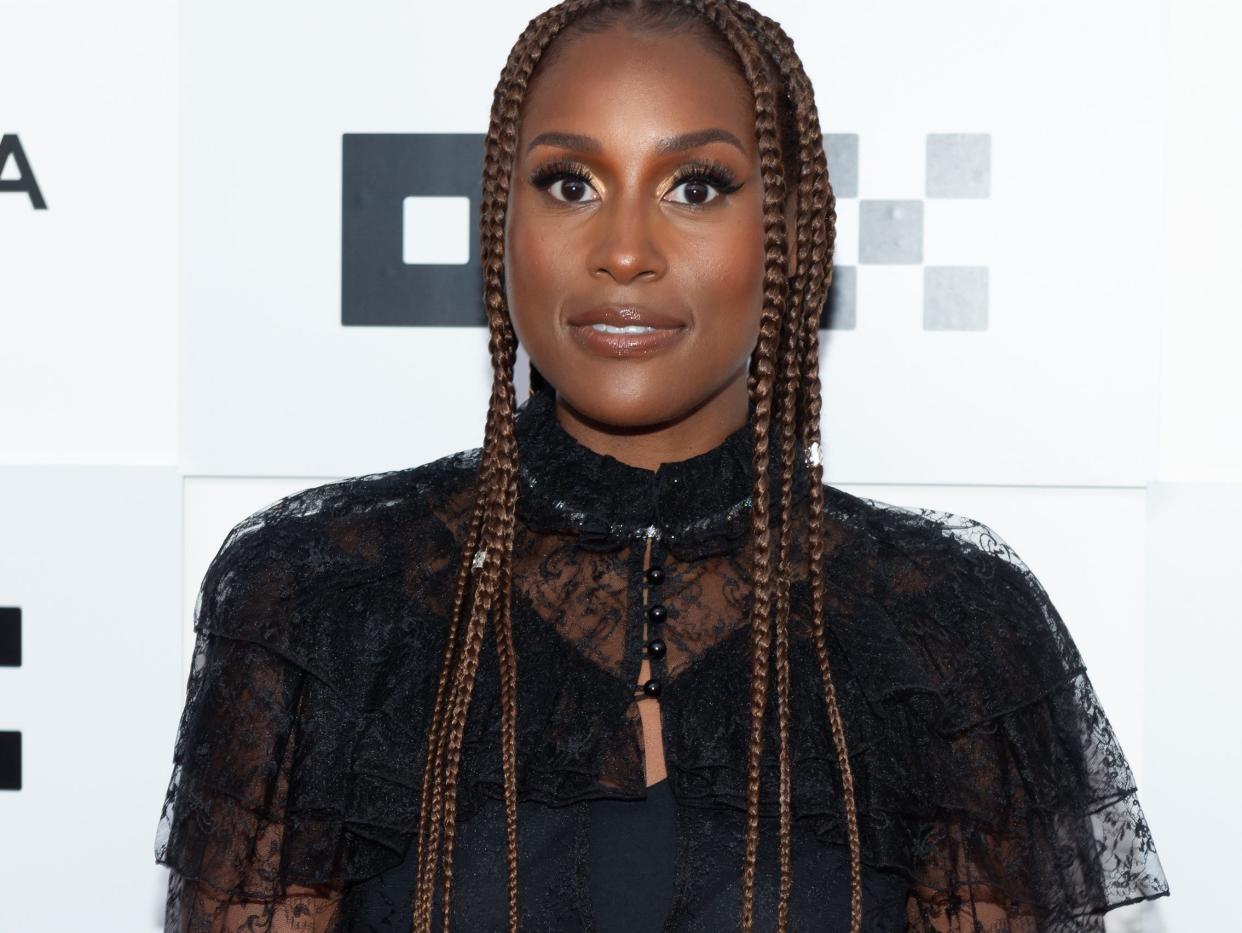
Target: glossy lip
x=668 y=331
x=619 y=315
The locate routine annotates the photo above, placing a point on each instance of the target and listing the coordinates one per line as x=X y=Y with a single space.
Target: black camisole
x=633 y=860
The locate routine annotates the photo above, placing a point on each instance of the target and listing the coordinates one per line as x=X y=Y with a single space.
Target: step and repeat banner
x=239 y=257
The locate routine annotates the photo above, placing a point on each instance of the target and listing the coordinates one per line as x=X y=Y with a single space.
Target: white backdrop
x=173 y=357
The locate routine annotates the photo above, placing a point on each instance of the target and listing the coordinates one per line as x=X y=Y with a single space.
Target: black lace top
x=990 y=787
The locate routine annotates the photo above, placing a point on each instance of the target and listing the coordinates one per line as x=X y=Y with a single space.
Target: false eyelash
x=546 y=174
x=716 y=174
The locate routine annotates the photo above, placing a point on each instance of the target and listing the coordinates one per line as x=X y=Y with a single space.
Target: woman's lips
x=625 y=330
x=624 y=345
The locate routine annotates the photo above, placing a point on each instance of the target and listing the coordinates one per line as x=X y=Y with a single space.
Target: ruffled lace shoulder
x=294 y=727
x=989 y=772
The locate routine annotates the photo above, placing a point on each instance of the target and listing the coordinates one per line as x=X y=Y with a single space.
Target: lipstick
x=622 y=331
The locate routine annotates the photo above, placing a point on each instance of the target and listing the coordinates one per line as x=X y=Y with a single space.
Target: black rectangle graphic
x=10 y=636
x=10 y=761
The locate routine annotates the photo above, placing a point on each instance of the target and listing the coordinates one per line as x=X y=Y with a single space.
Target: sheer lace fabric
x=992 y=793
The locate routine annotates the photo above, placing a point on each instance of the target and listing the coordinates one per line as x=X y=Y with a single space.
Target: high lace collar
x=696 y=507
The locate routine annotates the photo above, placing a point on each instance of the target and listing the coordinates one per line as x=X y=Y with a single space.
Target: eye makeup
x=547 y=174
x=710 y=172
x=707 y=172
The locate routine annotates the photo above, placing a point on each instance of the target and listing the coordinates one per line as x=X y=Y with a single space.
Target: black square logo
x=408 y=202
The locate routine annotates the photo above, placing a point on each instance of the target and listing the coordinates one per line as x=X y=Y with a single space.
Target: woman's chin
x=636 y=403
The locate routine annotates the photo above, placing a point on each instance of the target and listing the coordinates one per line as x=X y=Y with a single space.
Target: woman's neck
x=646 y=446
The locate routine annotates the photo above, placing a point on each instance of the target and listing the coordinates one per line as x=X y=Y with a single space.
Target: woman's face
x=637 y=198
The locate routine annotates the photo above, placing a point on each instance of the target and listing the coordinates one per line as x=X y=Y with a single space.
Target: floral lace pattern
x=992 y=793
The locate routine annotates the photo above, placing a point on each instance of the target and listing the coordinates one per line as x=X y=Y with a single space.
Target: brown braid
x=776 y=288
x=497 y=493
x=816 y=232
x=783 y=383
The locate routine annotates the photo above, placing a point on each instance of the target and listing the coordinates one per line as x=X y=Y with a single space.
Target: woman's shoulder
x=341 y=518
x=916 y=549
x=982 y=735
x=296 y=570
x=917 y=531
x=317 y=629
x=940 y=603
x=411 y=491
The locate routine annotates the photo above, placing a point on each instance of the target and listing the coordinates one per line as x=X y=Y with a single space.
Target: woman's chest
x=631 y=667
x=578 y=872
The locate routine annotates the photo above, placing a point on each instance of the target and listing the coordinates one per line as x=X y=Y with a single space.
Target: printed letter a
x=11 y=146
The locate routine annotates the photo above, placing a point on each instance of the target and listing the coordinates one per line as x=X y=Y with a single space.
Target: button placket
x=654 y=615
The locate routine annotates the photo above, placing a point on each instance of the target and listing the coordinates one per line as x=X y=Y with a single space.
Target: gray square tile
x=959 y=165
x=890 y=231
x=840 y=309
x=841 y=150
x=955 y=298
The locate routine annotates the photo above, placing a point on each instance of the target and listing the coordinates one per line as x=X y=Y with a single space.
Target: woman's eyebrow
x=581 y=143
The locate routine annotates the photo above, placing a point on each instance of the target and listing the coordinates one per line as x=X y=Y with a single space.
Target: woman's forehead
x=612 y=83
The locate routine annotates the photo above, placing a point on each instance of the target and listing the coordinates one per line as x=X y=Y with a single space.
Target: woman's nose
x=626 y=241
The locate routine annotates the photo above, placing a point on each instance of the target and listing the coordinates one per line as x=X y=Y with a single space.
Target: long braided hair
x=783 y=382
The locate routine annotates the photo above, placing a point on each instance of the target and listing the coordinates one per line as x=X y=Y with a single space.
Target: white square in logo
x=435 y=231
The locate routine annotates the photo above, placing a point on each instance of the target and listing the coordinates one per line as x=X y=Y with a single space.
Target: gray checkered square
x=841 y=150
x=890 y=231
x=955 y=298
x=840 y=309
x=959 y=165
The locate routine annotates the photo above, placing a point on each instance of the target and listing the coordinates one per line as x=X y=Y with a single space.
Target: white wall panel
x=91 y=555
x=1201 y=379
x=88 y=313
x=272 y=383
x=1193 y=704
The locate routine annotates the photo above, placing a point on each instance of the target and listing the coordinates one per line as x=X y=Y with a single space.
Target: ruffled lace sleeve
x=1020 y=810
x=280 y=792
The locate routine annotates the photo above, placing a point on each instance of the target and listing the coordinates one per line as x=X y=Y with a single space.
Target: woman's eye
x=696 y=186
x=696 y=191
x=573 y=189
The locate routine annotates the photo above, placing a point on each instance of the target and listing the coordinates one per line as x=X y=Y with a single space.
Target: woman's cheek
x=732 y=269
x=525 y=271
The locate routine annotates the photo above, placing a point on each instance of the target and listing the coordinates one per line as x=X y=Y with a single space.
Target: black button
x=655 y=576
x=657 y=613
x=652 y=688
x=656 y=648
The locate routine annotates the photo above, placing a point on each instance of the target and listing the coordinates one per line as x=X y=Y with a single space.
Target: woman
x=633 y=651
